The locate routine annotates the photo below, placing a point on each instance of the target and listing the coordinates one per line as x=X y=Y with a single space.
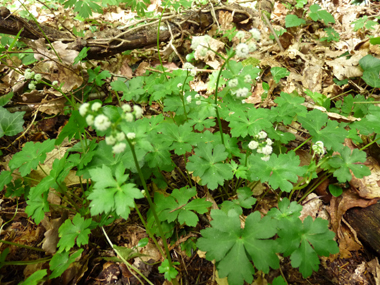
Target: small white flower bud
x=96 y=106
x=131 y=136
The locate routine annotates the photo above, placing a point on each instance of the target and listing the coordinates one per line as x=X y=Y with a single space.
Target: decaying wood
x=113 y=41
x=366 y=223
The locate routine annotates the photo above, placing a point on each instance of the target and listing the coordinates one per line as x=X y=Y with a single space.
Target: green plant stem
x=148 y=230
x=41 y=260
x=315 y=186
x=130 y=266
x=216 y=97
x=21 y=245
x=371 y=143
x=183 y=96
x=152 y=207
x=188 y=174
x=302 y=144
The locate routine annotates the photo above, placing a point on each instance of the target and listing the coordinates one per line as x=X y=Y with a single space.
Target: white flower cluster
x=242 y=50
x=264 y=145
x=318 y=148
x=189 y=67
x=29 y=74
x=201 y=44
x=240 y=35
x=255 y=33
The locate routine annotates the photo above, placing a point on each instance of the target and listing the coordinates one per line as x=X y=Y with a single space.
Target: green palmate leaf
x=249 y=123
x=5 y=178
x=207 y=163
x=332 y=135
x=289 y=107
x=233 y=247
x=61 y=261
x=293 y=21
x=35 y=278
x=285 y=211
x=111 y=192
x=98 y=78
x=305 y=241
x=182 y=137
x=37 y=202
x=169 y=272
x=73 y=232
x=347 y=161
x=5 y=99
x=177 y=206
x=73 y=129
x=317 y=14
x=370 y=123
x=279 y=281
x=278 y=73
x=371 y=67
x=278 y=171
x=31 y=155
x=160 y=156
x=10 y=124
x=245 y=200
x=132 y=89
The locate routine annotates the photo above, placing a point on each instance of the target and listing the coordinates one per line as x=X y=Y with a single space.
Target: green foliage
x=317 y=14
x=98 y=77
x=177 y=206
x=233 y=248
x=332 y=35
x=347 y=161
x=293 y=21
x=169 y=272
x=61 y=261
x=75 y=232
x=10 y=124
x=278 y=171
x=371 y=67
x=111 y=191
x=207 y=163
x=35 y=278
x=364 y=22
x=84 y=8
x=31 y=155
x=278 y=73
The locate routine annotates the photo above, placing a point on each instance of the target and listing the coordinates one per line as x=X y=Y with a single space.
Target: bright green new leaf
x=37 y=202
x=35 y=278
x=111 y=192
x=207 y=163
x=278 y=171
x=278 y=73
x=73 y=232
x=293 y=21
x=10 y=124
x=317 y=14
x=61 y=261
x=31 y=155
x=348 y=161
x=233 y=248
x=169 y=272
